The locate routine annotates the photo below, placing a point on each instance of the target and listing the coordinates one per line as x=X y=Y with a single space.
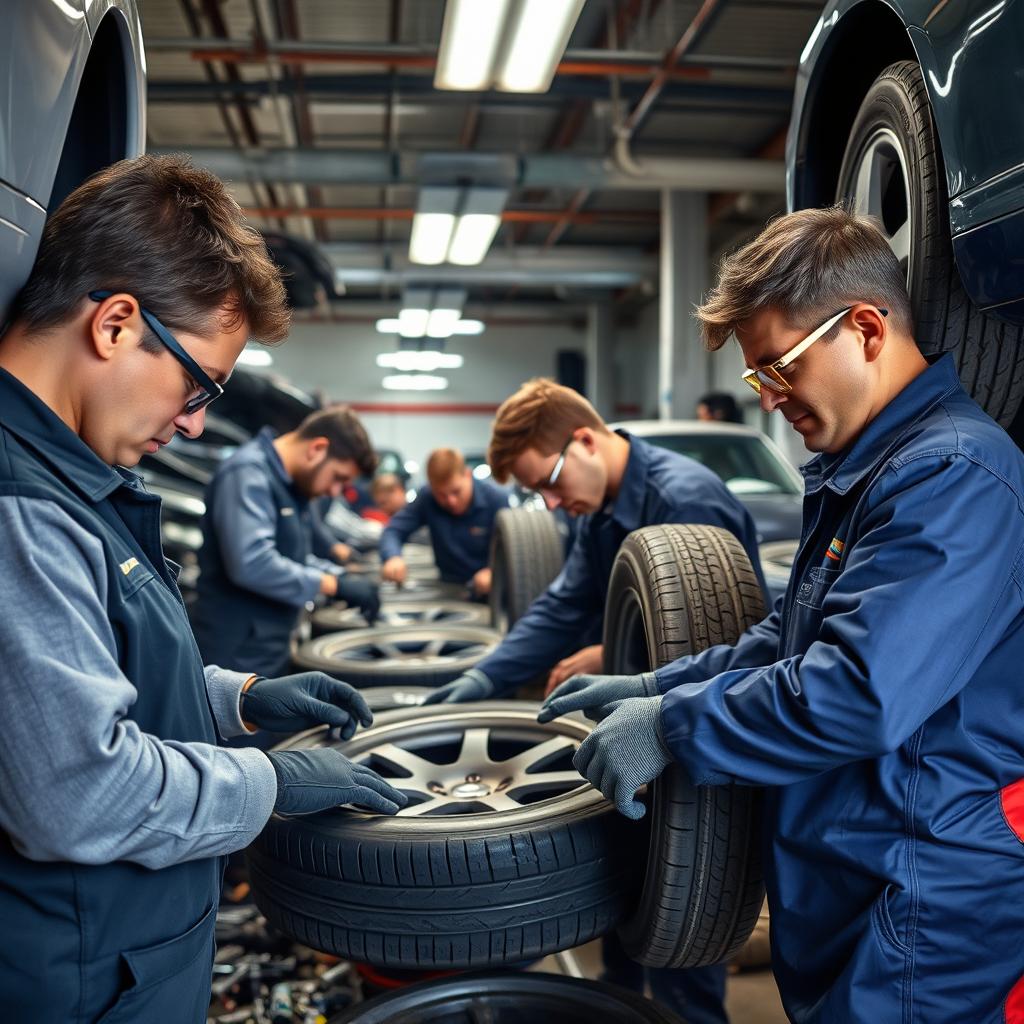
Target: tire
x=387 y=698
x=430 y=656
x=527 y=553
x=894 y=133
x=525 y=864
x=509 y=998
x=422 y=590
x=333 y=618
x=676 y=590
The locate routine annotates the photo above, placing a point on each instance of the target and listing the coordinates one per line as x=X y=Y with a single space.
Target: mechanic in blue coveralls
x=118 y=802
x=551 y=439
x=459 y=511
x=881 y=702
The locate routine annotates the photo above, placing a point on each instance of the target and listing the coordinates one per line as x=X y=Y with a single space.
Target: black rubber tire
x=988 y=351
x=328 y=654
x=335 y=618
x=527 y=553
x=387 y=698
x=509 y=997
x=677 y=590
x=470 y=890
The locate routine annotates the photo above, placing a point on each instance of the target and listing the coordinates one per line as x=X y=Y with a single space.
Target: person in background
x=459 y=511
x=389 y=498
x=719 y=406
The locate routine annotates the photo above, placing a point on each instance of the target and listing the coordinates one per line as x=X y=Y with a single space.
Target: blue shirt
x=882 y=703
x=462 y=544
x=658 y=486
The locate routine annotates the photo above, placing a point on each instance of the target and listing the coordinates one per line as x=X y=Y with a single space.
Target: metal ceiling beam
x=556 y=217
x=539 y=170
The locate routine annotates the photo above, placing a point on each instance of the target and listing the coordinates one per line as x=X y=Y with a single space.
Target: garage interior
x=464 y=195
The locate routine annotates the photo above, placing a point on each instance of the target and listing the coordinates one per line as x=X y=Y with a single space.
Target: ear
x=115 y=325
x=873 y=329
x=316 y=449
x=585 y=436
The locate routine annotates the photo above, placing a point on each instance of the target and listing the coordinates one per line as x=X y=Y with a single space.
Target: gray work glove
x=593 y=694
x=303 y=701
x=318 y=779
x=626 y=751
x=473 y=685
x=361 y=594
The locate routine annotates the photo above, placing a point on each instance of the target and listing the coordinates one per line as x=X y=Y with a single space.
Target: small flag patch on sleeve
x=835 y=549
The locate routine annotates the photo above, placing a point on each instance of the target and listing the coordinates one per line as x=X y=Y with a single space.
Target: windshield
x=745 y=463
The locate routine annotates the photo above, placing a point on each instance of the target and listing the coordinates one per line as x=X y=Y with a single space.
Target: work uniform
x=116 y=804
x=261 y=561
x=882 y=705
x=462 y=544
x=658 y=486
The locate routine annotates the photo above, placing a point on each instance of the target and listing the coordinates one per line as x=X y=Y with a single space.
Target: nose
x=191 y=425
x=335 y=490
x=771 y=400
x=552 y=501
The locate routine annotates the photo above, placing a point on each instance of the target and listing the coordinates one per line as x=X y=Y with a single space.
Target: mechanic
x=880 y=701
x=262 y=554
x=117 y=805
x=459 y=512
x=551 y=439
x=389 y=498
x=718 y=407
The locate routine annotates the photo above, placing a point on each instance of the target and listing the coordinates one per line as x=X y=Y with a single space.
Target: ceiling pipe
x=508 y=216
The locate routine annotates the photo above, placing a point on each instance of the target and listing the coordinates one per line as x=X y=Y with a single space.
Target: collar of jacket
x=627 y=509
x=37 y=426
x=265 y=439
x=841 y=471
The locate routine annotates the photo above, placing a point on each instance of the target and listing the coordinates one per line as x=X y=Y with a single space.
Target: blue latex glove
x=316 y=780
x=473 y=685
x=593 y=694
x=626 y=751
x=360 y=593
x=303 y=701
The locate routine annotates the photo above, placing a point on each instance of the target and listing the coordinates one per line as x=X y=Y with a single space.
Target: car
x=910 y=110
x=74 y=104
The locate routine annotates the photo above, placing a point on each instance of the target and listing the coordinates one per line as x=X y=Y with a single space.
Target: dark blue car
x=914 y=110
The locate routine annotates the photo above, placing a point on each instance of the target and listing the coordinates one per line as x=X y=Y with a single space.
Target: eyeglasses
x=552 y=479
x=769 y=376
x=207 y=389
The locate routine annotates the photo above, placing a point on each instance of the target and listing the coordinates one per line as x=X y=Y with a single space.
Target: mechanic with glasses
x=119 y=800
x=551 y=439
x=880 y=703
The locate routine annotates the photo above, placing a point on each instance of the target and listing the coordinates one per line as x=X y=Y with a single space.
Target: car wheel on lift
x=677 y=590
x=527 y=553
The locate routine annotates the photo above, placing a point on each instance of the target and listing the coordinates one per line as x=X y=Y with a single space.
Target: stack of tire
x=504 y=853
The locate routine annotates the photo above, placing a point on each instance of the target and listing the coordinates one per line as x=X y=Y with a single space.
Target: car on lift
x=911 y=110
x=74 y=103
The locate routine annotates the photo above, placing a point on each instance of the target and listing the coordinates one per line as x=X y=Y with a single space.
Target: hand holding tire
x=394 y=570
x=473 y=685
x=303 y=701
x=317 y=780
x=596 y=696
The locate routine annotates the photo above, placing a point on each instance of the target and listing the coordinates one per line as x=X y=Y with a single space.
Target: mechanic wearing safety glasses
x=880 y=703
x=552 y=441
x=117 y=803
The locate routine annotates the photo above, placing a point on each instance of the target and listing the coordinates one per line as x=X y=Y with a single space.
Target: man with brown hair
x=880 y=702
x=264 y=554
x=118 y=804
x=459 y=511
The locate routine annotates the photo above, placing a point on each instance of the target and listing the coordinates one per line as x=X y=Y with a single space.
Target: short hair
x=807 y=265
x=345 y=433
x=443 y=464
x=169 y=234
x=383 y=483
x=722 y=406
x=541 y=415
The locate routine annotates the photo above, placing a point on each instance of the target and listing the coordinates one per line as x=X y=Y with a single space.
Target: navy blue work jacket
x=657 y=487
x=882 y=704
x=462 y=544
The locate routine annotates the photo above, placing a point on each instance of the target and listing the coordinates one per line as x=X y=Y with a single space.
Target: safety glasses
x=770 y=376
x=556 y=470
x=207 y=389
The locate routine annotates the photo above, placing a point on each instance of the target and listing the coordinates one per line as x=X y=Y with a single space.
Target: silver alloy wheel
x=405 y=647
x=881 y=189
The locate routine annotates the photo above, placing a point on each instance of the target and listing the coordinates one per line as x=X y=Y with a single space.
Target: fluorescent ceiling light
x=473 y=238
x=415 y=382
x=255 y=357
x=425 y=362
x=442 y=322
x=412 y=323
x=469 y=43
x=469 y=327
x=539 y=31
x=431 y=233
x=391 y=326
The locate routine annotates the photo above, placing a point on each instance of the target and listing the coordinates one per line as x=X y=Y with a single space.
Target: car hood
x=776 y=516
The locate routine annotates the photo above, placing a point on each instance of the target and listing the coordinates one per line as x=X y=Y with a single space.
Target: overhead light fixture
x=412 y=322
x=414 y=382
x=464 y=239
x=442 y=322
x=423 y=362
x=255 y=357
x=433 y=224
x=389 y=326
x=512 y=44
x=473 y=236
x=469 y=327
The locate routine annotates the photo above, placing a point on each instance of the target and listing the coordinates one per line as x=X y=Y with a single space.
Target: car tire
x=674 y=591
x=894 y=136
x=527 y=553
x=506 y=878
x=422 y=590
x=509 y=997
x=429 y=656
x=417 y=614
